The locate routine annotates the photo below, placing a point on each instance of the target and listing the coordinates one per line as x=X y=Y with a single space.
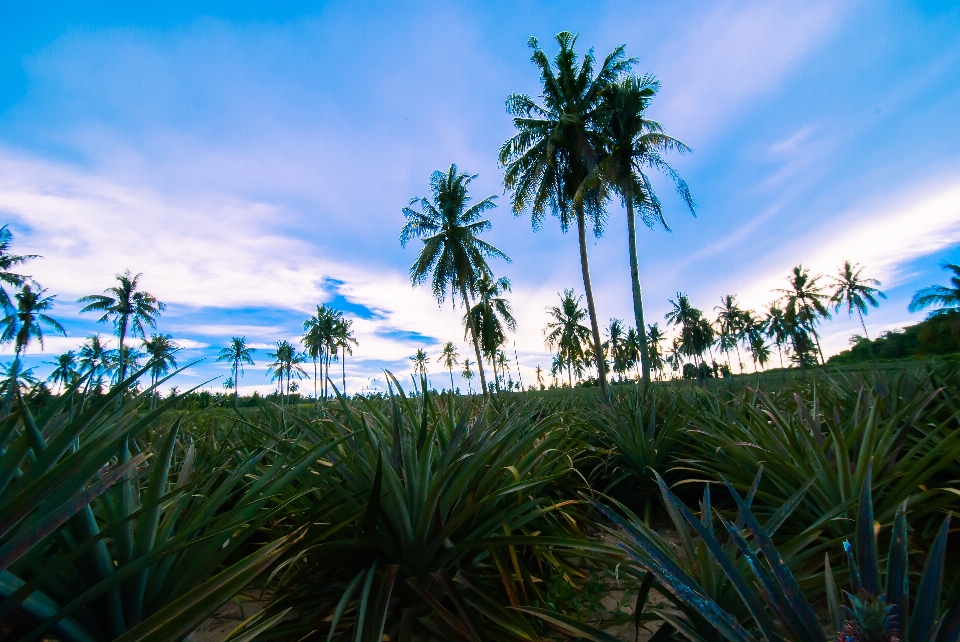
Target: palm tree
x=539 y=373
x=632 y=146
x=318 y=331
x=655 y=337
x=777 y=328
x=759 y=350
x=500 y=359
x=855 y=292
x=285 y=366
x=419 y=364
x=467 y=374
x=729 y=322
x=237 y=354
x=448 y=357
x=615 y=339
x=26 y=320
x=64 y=370
x=131 y=310
x=95 y=361
x=805 y=304
x=946 y=298
x=160 y=350
x=492 y=316
x=556 y=148
x=343 y=339
x=453 y=256
x=566 y=332
x=7 y=261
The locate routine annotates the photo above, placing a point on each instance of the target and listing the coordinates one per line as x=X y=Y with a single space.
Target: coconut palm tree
x=558 y=145
x=26 y=319
x=777 y=329
x=729 y=322
x=130 y=309
x=492 y=317
x=317 y=334
x=760 y=351
x=7 y=261
x=95 y=360
x=419 y=364
x=616 y=336
x=632 y=146
x=945 y=298
x=285 y=367
x=343 y=341
x=160 y=350
x=467 y=374
x=655 y=337
x=64 y=370
x=539 y=373
x=805 y=304
x=237 y=354
x=566 y=333
x=453 y=256
x=856 y=292
x=448 y=357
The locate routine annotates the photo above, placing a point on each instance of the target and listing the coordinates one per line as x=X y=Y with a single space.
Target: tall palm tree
x=315 y=331
x=64 y=370
x=285 y=367
x=7 y=261
x=945 y=298
x=344 y=341
x=615 y=340
x=160 y=350
x=558 y=145
x=539 y=373
x=856 y=292
x=453 y=256
x=131 y=310
x=448 y=357
x=565 y=332
x=492 y=317
x=777 y=328
x=237 y=354
x=805 y=304
x=632 y=146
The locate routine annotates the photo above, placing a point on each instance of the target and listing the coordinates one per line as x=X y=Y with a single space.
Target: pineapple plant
x=870 y=620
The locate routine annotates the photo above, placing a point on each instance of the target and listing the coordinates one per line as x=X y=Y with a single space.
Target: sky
x=251 y=160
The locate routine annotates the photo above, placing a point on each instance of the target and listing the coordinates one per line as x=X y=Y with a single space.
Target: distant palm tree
x=633 y=145
x=777 y=328
x=655 y=337
x=26 y=319
x=160 y=350
x=453 y=256
x=805 y=304
x=617 y=353
x=566 y=333
x=285 y=367
x=64 y=370
x=419 y=364
x=95 y=360
x=729 y=324
x=855 y=292
x=946 y=298
x=318 y=339
x=237 y=354
x=448 y=357
x=503 y=365
x=7 y=261
x=130 y=309
x=558 y=145
x=760 y=351
x=492 y=317
x=343 y=340
x=467 y=374
x=539 y=373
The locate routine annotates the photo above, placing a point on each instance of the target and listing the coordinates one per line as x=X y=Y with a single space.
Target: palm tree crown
x=453 y=256
x=7 y=261
x=945 y=298
x=449 y=358
x=161 y=351
x=64 y=369
x=566 y=332
x=131 y=310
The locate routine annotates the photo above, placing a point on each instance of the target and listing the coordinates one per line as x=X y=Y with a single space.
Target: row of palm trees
x=790 y=322
x=587 y=141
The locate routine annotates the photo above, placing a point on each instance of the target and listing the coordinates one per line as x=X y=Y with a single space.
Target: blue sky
x=252 y=159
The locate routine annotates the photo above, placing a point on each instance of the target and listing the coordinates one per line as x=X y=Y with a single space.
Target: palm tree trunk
x=591 y=308
x=343 y=371
x=316 y=397
x=476 y=340
x=451 y=379
x=236 y=383
x=635 y=283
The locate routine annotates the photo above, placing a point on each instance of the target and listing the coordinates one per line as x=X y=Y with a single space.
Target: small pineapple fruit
x=870 y=620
